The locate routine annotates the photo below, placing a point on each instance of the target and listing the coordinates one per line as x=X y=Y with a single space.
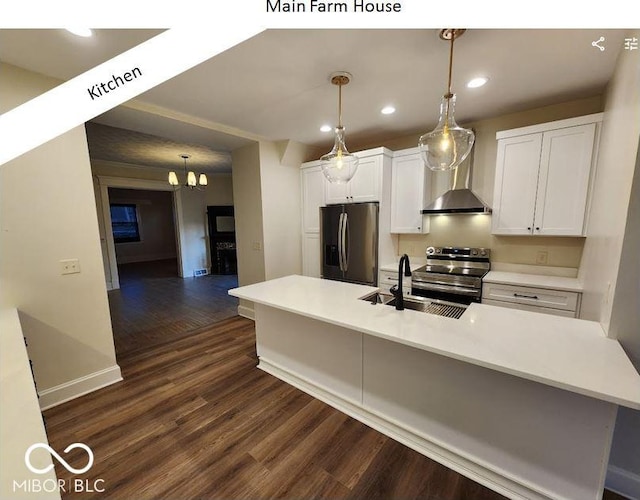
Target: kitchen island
x=524 y=403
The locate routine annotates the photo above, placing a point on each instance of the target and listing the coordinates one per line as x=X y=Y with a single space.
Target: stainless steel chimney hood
x=459 y=199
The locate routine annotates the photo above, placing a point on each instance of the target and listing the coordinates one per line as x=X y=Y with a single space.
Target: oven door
x=459 y=289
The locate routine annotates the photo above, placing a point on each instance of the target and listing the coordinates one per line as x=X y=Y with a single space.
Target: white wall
x=220 y=190
x=266 y=193
x=608 y=214
x=48 y=213
x=247 y=198
x=625 y=326
x=193 y=224
x=281 y=208
x=609 y=267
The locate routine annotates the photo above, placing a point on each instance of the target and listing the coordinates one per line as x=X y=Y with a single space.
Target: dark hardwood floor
x=154 y=305
x=194 y=418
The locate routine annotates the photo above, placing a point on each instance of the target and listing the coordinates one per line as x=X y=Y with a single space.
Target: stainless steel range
x=452 y=274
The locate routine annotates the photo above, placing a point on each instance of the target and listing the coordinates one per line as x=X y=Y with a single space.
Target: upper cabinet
x=366 y=184
x=410 y=182
x=543 y=177
x=312 y=183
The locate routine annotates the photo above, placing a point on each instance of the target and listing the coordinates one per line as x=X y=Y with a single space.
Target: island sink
x=431 y=306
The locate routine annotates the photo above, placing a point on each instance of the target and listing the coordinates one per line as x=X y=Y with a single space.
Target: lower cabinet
x=544 y=300
x=311 y=255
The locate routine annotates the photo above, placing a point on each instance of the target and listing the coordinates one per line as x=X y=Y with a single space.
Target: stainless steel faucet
x=396 y=290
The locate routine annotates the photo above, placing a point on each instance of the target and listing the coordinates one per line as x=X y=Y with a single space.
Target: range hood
x=459 y=199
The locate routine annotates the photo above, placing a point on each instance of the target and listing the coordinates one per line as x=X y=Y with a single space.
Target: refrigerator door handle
x=340 y=219
x=345 y=242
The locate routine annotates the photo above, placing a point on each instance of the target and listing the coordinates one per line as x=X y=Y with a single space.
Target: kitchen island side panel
x=553 y=440
x=327 y=355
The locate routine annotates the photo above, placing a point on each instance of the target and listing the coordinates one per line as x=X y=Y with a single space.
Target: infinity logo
x=27 y=458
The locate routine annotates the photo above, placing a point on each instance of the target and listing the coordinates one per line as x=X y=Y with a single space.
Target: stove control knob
x=430 y=250
x=474 y=252
x=438 y=250
x=483 y=252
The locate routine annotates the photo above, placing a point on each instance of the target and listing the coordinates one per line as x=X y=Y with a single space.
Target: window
x=124 y=222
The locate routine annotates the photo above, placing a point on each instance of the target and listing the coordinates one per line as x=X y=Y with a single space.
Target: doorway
x=143 y=230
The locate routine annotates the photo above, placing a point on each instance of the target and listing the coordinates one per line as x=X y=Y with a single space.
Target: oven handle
x=467 y=281
x=443 y=288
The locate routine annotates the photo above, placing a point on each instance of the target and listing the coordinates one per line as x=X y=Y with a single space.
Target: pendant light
x=192 y=181
x=448 y=144
x=338 y=165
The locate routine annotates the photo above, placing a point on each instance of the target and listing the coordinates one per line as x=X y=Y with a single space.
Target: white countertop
x=567 y=353
x=534 y=280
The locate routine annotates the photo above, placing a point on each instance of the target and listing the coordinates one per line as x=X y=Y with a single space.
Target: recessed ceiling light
x=326 y=128
x=388 y=110
x=84 y=32
x=477 y=82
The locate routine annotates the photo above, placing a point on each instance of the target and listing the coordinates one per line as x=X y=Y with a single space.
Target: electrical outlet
x=69 y=266
x=257 y=246
x=542 y=257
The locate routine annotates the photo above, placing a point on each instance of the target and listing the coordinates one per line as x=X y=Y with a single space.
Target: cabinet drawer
x=539 y=297
x=387 y=279
x=524 y=307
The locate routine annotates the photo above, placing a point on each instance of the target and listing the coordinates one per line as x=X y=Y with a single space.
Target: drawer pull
x=525 y=296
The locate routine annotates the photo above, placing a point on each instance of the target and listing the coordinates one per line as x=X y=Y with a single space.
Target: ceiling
x=276 y=86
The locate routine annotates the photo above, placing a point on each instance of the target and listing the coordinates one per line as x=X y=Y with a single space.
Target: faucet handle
x=394 y=290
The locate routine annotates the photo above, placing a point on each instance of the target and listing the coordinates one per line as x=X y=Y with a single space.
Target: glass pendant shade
x=173 y=179
x=447 y=146
x=338 y=165
x=191 y=179
x=202 y=180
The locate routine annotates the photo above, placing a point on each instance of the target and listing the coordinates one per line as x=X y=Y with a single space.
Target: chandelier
x=192 y=180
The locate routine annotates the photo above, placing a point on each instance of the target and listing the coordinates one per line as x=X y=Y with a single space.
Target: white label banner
x=113 y=83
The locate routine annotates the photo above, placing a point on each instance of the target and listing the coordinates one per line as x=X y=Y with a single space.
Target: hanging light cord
x=453 y=36
x=340 y=105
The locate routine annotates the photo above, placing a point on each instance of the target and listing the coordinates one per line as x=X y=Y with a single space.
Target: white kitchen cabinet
x=410 y=182
x=366 y=184
x=543 y=176
x=544 y=300
x=312 y=189
x=311 y=255
x=312 y=183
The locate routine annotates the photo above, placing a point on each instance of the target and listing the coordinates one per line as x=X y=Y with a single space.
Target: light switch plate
x=69 y=266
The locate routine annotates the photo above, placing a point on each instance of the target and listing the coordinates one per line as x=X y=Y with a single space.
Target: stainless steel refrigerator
x=349 y=242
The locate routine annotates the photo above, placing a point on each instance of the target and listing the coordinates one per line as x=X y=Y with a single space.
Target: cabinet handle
x=525 y=296
x=528 y=229
x=537 y=229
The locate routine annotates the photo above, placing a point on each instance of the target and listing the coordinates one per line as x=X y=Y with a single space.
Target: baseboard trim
x=79 y=387
x=510 y=487
x=247 y=312
x=623 y=482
